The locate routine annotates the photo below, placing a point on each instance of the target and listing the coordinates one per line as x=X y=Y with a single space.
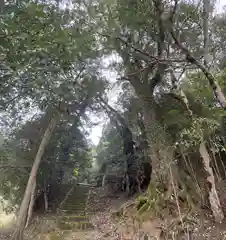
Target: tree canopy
x=168 y=61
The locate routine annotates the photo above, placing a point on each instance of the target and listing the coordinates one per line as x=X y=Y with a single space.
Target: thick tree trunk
x=153 y=141
x=31 y=205
x=164 y=170
x=144 y=139
x=21 y=219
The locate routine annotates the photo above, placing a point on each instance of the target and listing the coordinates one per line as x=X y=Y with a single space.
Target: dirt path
x=108 y=226
x=115 y=219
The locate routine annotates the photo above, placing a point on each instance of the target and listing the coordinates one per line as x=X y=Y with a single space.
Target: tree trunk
x=21 y=219
x=31 y=205
x=154 y=140
x=144 y=138
x=213 y=196
x=46 y=201
x=103 y=180
x=213 y=83
x=206 y=13
x=66 y=197
x=2 y=7
x=45 y=194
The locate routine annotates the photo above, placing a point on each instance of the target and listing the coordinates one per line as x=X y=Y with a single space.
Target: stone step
x=74 y=207
x=74 y=203
x=74 y=218
x=81 y=225
x=69 y=211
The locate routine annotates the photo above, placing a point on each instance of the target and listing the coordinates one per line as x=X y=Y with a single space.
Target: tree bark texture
x=46 y=201
x=21 y=219
x=31 y=205
x=213 y=196
x=2 y=6
x=160 y=151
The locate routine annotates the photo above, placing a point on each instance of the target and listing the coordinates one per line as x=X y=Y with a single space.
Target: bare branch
x=152 y=58
x=142 y=70
x=136 y=49
x=79 y=74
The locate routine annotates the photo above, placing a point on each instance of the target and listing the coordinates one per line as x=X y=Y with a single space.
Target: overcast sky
x=220 y=4
x=96 y=131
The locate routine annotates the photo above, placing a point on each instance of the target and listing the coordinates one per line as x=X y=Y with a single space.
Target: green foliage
x=47 y=54
x=75 y=172
x=21 y=149
x=50 y=55
x=109 y=150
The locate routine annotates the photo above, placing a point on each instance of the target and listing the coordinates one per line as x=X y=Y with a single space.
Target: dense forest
x=164 y=135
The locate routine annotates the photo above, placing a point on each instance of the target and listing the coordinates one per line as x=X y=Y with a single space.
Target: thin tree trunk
x=46 y=201
x=206 y=14
x=66 y=197
x=213 y=196
x=2 y=7
x=21 y=219
x=217 y=169
x=103 y=180
x=45 y=194
x=31 y=205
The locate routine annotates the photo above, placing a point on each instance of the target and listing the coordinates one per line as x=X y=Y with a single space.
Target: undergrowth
x=152 y=201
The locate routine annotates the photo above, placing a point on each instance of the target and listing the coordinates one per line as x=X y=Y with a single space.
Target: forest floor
x=116 y=218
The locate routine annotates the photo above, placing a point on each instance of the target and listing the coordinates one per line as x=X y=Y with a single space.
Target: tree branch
x=173 y=12
x=153 y=59
x=212 y=81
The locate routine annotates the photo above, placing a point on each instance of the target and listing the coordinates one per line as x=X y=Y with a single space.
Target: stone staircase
x=74 y=217
x=73 y=213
